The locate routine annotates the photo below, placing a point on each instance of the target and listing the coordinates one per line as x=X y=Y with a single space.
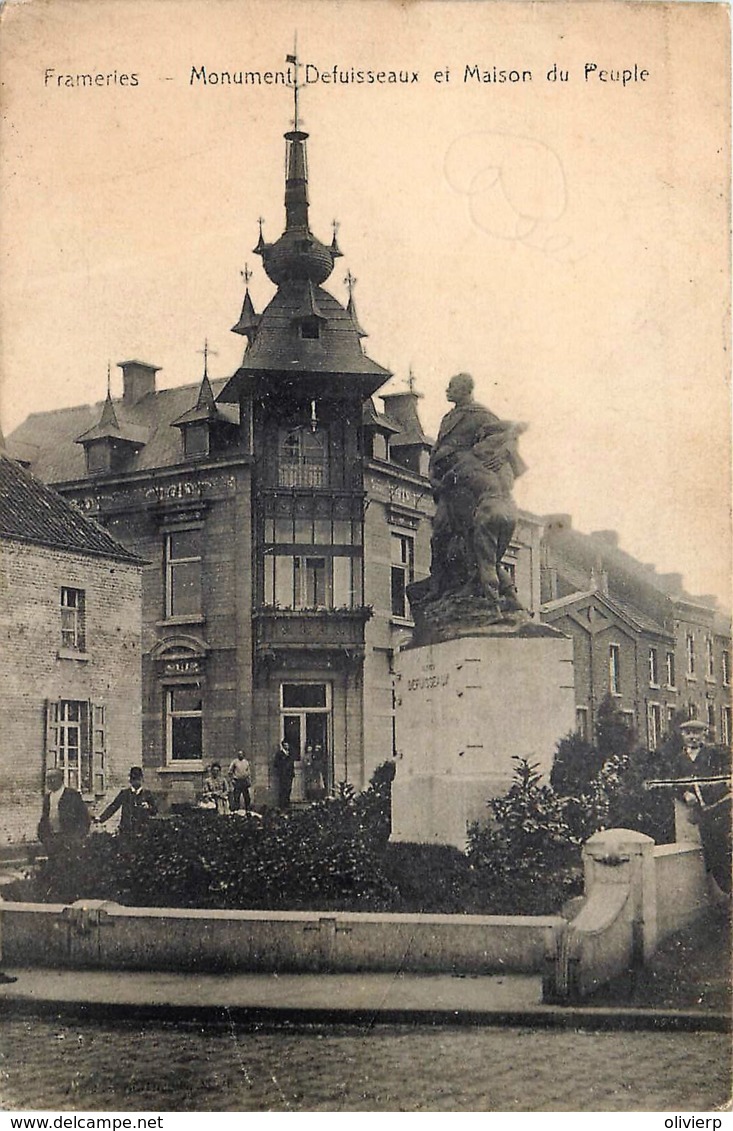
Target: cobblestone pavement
x=94 y=1067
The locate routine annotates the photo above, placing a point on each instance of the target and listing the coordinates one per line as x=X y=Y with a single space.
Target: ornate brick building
x=281 y=514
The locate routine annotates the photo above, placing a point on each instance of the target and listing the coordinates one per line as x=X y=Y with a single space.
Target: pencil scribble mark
x=515 y=185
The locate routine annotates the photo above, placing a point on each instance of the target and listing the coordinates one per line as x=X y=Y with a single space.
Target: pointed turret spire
x=336 y=251
x=351 y=306
x=108 y=419
x=297 y=254
x=248 y=318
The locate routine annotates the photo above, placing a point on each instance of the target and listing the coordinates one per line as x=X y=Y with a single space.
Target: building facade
x=70 y=676
x=282 y=514
x=657 y=650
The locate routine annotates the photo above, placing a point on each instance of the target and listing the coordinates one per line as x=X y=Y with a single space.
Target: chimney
x=554 y=523
x=670 y=583
x=606 y=537
x=138 y=380
x=402 y=407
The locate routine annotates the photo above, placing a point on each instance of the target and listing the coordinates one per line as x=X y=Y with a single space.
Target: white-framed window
x=725 y=660
x=692 y=711
x=184 y=723
x=614 y=668
x=709 y=658
x=183 y=572
x=402 y=572
x=76 y=743
x=725 y=725
x=653 y=668
x=653 y=725
x=581 y=722
x=671 y=670
x=303 y=457
x=72 y=618
x=305 y=581
x=671 y=712
x=690 y=654
x=629 y=719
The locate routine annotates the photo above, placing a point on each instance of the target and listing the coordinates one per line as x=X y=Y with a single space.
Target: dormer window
x=196 y=440
x=310 y=328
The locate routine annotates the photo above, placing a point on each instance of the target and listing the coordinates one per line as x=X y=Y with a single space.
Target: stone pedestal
x=464 y=709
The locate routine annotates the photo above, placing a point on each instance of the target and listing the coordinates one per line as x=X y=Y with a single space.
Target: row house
x=638 y=636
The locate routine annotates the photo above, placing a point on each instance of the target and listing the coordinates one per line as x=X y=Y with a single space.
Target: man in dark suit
x=137 y=804
x=285 y=769
x=64 y=816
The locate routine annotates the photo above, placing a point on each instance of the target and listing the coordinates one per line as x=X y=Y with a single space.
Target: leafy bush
x=325 y=855
x=528 y=851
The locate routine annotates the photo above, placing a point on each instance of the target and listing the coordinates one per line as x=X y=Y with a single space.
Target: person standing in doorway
x=285 y=769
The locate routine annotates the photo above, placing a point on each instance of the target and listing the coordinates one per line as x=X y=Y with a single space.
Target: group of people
x=228 y=794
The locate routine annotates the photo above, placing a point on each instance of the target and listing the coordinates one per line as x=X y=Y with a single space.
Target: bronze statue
x=472 y=470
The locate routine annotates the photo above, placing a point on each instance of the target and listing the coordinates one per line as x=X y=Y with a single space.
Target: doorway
x=305 y=724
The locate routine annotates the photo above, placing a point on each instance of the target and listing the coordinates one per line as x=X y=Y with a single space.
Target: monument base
x=464 y=709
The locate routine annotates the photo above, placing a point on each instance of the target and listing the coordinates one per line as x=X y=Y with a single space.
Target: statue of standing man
x=472 y=470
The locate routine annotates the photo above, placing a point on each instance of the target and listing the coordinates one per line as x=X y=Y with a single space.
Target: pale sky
x=565 y=242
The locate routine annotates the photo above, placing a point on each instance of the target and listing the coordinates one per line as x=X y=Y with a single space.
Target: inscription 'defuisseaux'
x=424 y=682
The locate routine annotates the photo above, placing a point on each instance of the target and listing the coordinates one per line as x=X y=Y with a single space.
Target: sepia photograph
x=365 y=557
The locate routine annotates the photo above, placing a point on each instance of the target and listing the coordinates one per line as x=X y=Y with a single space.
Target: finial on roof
x=206 y=351
x=109 y=379
x=293 y=59
x=335 y=249
x=246 y=274
x=261 y=245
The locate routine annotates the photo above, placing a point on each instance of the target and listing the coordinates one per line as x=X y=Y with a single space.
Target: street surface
x=51 y=1065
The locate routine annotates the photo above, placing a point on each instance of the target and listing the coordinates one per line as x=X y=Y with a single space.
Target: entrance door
x=305 y=723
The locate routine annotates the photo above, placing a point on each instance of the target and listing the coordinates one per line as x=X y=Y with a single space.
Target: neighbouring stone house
x=70 y=625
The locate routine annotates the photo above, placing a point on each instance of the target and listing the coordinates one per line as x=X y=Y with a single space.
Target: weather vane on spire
x=350 y=283
x=206 y=351
x=246 y=274
x=293 y=59
x=109 y=378
x=411 y=380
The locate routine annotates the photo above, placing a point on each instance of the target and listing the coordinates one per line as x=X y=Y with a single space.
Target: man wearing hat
x=137 y=804
x=706 y=806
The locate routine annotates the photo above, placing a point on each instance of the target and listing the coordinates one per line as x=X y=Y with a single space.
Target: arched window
x=303 y=459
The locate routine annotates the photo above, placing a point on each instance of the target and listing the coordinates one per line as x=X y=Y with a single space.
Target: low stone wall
x=104 y=935
x=636 y=894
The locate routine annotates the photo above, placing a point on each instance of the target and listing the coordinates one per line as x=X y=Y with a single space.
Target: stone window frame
x=72 y=605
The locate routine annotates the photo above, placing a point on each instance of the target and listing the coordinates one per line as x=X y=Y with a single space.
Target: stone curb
x=548 y=1017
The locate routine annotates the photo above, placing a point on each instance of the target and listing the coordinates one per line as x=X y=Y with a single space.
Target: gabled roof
x=636 y=619
x=48 y=438
x=32 y=512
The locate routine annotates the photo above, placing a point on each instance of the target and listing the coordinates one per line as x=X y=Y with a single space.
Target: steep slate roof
x=278 y=347
x=48 y=439
x=32 y=512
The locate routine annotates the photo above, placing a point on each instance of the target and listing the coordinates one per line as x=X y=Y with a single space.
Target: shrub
x=323 y=856
x=528 y=852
